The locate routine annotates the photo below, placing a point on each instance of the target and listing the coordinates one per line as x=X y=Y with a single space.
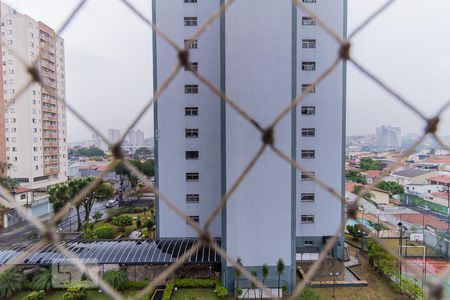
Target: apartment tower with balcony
x=261 y=54
x=33 y=121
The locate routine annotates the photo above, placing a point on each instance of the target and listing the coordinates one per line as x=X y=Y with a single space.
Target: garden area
x=121 y=223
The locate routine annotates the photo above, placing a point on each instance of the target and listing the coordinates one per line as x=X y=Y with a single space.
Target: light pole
x=402 y=230
x=334 y=275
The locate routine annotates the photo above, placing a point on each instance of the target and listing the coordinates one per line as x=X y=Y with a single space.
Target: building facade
x=389 y=137
x=33 y=134
x=203 y=145
x=113 y=135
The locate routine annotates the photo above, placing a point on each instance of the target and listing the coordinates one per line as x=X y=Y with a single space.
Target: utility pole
x=402 y=230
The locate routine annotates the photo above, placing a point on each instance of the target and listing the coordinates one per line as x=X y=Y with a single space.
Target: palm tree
x=280 y=270
x=43 y=281
x=10 y=282
x=265 y=273
x=237 y=274
x=253 y=286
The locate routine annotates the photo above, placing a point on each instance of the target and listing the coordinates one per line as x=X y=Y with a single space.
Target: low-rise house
x=371 y=175
x=380 y=197
x=413 y=176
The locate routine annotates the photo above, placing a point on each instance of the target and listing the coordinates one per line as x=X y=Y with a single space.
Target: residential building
x=113 y=135
x=389 y=137
x=135 y=138
x=33 y=134
x=380 y=197
x=413 y=176
x=203 y=145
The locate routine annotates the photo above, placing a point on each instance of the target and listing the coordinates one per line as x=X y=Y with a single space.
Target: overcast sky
x=109 y=69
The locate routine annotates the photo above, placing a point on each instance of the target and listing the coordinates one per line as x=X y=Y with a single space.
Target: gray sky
x=109 y=70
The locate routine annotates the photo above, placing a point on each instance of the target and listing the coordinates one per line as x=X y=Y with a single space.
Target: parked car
x=424 y=207
x=112 y=203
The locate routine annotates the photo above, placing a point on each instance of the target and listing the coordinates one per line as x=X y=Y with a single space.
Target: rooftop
x=441 y=179
x=410 y=173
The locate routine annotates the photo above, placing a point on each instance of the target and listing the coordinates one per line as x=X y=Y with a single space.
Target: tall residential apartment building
x=113 y=135
x=389 y=137
x=33 y=128
x=261 y=54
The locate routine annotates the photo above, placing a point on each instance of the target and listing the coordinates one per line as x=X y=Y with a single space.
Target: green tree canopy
x=391 y=187
x=88 y=152
x=355 y=176
x=367 y=163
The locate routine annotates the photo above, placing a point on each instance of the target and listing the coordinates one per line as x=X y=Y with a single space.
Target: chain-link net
x=48 y=230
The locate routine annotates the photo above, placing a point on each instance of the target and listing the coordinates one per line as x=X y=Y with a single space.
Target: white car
x=424 y=207
x=112 y=203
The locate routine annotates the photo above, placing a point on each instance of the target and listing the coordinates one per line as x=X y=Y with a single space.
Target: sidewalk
x=20 y=232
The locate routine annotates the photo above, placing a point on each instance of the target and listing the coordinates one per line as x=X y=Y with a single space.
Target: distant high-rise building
x=98 y=142
x=389 y=137
x=261 y=54
x=33 y=127
x=139 y=138
x=113 y=135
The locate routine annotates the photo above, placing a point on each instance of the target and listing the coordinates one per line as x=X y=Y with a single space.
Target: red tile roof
x=372 y=173
x=439 y=160
x=443 y=179
x=440 y=194
x=20 y=190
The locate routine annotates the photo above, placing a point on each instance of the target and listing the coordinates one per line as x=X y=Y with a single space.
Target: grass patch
x=392 y=244
x=58 y=295
x=194 y=294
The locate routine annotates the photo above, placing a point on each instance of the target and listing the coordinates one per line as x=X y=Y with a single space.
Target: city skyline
x=368 y=106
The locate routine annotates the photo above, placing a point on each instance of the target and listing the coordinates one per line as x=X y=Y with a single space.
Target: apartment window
x=191 y=133
x=190 y=21
x=191 y=44
x=308 y=21
x=190 y=1
x=308 y=44
x=35 y=149
x=8 y=22
x=308 y=110
x=307 y=176
x=308 y=154
x=191 y=154
x=308 y=88
x=309 y=1
x=192 y=198
x=9 y=31
x=307 y=218
x=308 y=66
x=191 y=111
x=195 y=219
x=192 y=176
x=191 y=89
x=308 y=197
x=192 y=66
x=308 y=132
x=308 y=243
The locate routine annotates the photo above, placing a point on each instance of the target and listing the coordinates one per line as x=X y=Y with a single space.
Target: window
x=190 y=21
x=190 y=1
x=308 y=88
x=308 y=44
x=308 y=21
x=191 y=111
x=191 y=133
x=308 y=197
x=307 y=219
x=308 y=154
x=308 y=66
x=308 y=132
x=193 y=66
x=309 y=1
x=308 y=110
x=307 y=176
x=192 y=198
x=191 y=154
x=191 y=89
x=23 y=196
x=191 y=44
x=192 y=176
x=195 y=219
x=309 y=243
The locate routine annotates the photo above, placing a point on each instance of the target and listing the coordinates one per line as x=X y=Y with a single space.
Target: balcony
x=50 y=144
x=50 y=135
x=52 y=109
x=50 y=127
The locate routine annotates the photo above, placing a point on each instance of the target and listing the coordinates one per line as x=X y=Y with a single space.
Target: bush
x=221 y=291
x=75 y=292
x=10 y=282
x=136 y=285
x=309 y=294
x=35 y=295
x=123 y=220
x=105 y=231
x=43 y=281
x=116 y=278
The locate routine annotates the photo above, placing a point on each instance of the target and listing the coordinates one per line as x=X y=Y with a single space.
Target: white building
x=113 y=135
x=33 y=128
x=262 y=54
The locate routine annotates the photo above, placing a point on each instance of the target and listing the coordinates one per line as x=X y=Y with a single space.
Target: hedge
x=105 y=231
x=221 y=291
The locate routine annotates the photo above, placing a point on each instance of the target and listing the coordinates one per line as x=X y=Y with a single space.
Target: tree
x=280 y=270
x=117 y=278
x=138 y=222
x=367 y=163
x=391 y=187
x=10 y=282
x=101 y=192
x=357 y=231
x=362 y=192
x=265 y=273
x=8 y=182
x=238 y=274
x=88 y=152
x=142 y=153
x=43 y=281
x=88 y=231
x=150 y=224
x=97 y=216
x=123 y=173
x=355 y=176
x=253 y=286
